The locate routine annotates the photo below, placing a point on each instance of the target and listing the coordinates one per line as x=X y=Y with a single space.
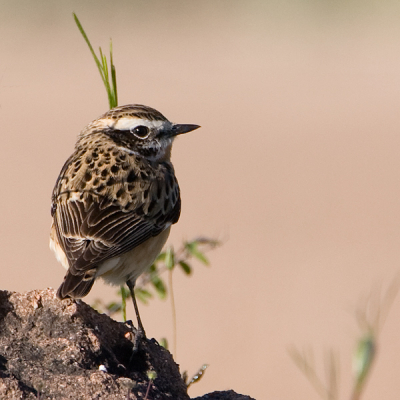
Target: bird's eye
x=140 y=131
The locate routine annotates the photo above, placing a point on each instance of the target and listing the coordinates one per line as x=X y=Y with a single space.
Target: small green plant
x=151 y=375
x=111 y=86
x=152 y=283
x=370 y=318
x=196 y=377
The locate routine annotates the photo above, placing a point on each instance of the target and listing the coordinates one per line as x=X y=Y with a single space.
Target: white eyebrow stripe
x=126 y=124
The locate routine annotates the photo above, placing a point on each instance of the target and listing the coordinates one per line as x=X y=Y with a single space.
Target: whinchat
x=115 y=200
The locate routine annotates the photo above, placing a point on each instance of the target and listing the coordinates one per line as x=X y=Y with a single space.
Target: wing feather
x=93 y=230
x=95 y=223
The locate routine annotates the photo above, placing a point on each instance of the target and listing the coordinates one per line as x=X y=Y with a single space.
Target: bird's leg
x=140 y=333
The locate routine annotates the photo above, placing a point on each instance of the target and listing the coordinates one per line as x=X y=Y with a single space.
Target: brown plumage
x=115 y=199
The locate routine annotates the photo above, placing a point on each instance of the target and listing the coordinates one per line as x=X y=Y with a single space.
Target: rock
x=226 y=395
x=52 y=349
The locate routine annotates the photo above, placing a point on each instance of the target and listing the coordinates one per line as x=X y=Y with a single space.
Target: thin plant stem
x=173 y=310
x=148 y=390
x=123 y=303
x=306 y=365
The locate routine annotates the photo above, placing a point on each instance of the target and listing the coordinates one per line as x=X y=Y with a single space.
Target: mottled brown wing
x=95 y=228
x=91 y=232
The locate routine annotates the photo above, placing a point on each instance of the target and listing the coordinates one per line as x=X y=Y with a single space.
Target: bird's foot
x=138 y=335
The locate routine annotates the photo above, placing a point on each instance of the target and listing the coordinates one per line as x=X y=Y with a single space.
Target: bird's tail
x=74 y=286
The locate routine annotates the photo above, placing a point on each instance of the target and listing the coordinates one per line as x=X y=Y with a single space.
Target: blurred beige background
x=296 y=167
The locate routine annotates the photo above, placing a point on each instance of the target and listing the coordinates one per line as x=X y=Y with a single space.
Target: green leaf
x=199 y=374
x=192 y=249
x=113 y=307
x=185 y=377
x=159 y=285
x=153 y=269
x=164 y=343
x=143 y=295
x=160 y=257
x=151 y=375
x=169 y=258
x=187 y=269
x=363 y=357
x=208 y=241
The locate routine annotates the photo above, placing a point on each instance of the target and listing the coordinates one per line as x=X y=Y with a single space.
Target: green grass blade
x=113 y=77
x=106 y=77
x=103 y=67
x=83 y=33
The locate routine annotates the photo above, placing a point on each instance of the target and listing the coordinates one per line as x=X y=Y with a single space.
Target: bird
x=115 y=200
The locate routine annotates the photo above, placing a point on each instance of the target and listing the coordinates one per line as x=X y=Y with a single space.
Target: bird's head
x=139 y=130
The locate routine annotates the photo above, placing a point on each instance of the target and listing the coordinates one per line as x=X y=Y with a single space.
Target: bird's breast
x=132 y=264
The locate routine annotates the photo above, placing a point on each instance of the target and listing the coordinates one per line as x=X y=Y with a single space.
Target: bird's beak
x=178 y=129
